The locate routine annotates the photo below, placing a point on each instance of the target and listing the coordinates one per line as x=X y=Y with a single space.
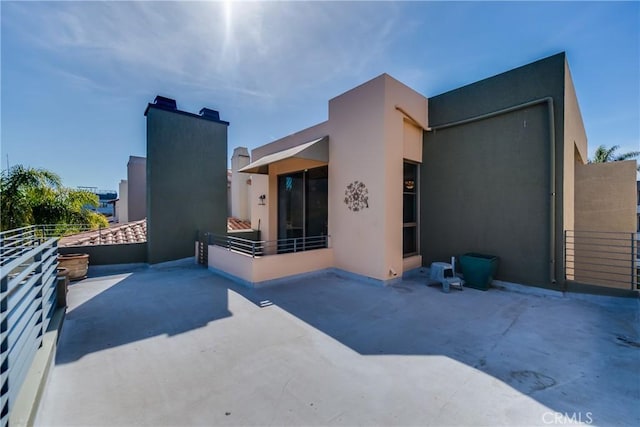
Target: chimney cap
x=164 y=102
x=210 y=114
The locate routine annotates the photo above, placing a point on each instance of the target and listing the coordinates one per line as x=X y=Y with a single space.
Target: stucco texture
x=486 y=185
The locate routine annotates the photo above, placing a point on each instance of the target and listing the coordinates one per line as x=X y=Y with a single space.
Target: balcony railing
x=259 y=248
x=602 y=258
x=28 y=261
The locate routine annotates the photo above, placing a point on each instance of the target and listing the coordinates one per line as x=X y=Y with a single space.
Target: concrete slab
x=179 y=345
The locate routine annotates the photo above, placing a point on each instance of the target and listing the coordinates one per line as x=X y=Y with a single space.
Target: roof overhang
x=317 y=150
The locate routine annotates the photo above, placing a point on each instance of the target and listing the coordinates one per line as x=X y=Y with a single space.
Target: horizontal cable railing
x=14 y=243
x=602 y=258
x=258 y=248
x=28 y=265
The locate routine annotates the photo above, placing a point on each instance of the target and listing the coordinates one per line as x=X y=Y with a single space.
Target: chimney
x=166 y=103
x=210 y=114
x=239 y=187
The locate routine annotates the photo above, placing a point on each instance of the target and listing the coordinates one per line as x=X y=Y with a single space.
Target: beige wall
x=259 y=213
x=368 y=140
x=606 y=196
x=306 y=135
x=122 y=205
x=136 y=188
x=605 y=202
x=257 y=270
x=575 y=148
x=239 y=186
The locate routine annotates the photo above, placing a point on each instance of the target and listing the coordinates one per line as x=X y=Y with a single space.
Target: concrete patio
x=178 y=345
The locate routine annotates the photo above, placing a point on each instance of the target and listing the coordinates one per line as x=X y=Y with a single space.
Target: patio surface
x=179 y=345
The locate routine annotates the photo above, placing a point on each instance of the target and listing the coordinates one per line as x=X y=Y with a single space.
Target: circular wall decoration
x=356 y=196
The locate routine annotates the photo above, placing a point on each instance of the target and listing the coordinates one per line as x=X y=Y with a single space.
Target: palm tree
x=31 y=196
x=604 y=155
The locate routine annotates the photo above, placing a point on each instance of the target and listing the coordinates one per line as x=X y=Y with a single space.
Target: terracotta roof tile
x=130 y=232
x=237 y=224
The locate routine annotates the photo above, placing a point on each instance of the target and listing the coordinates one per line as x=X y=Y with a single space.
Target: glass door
x=290 y=210
x=302 y=210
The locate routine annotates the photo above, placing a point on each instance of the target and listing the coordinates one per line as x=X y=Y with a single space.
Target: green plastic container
x=478 y=270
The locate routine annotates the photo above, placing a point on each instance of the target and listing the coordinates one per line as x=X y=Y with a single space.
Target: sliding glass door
x=302 y=209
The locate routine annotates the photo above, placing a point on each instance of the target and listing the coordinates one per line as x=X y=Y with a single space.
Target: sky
x=76 y=77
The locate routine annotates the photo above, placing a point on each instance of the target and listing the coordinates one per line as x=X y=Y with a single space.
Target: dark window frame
x=415 y=194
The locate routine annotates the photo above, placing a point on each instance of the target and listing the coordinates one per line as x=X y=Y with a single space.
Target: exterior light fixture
x=409 y=184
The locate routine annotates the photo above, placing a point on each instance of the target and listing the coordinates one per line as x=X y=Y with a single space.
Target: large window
x=302 y=209
x=410 y=210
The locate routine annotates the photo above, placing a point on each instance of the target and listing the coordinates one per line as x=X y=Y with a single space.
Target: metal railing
x=259 y=248
x=602 y=258
x=28 y=262
x=14 y=243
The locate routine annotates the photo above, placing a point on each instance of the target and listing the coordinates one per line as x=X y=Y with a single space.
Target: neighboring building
x=398 y=181
x=122 y=206
x=186 y=167
x=106 y=199
x=239 y=184
x=136 y=188
x=638 y=207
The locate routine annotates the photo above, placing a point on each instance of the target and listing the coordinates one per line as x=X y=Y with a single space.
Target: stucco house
x=393 y=181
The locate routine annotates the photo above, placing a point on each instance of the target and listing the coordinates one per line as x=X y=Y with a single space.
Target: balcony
x=257 y=263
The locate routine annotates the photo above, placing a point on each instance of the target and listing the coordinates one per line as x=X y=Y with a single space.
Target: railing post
x=4 y=349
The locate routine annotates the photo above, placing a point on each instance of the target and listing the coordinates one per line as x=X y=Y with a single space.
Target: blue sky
x=76 y=76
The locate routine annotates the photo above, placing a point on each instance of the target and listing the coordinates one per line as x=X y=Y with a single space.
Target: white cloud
x=254 y=52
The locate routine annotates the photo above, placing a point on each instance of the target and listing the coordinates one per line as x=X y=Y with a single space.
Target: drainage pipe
x=552 y=164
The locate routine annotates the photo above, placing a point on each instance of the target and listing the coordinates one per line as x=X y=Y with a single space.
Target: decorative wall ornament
x=356 y=196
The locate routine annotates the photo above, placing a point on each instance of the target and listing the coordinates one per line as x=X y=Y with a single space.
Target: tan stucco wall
x=260 y=213
x=367 y=144
x=256 y=270
x=412 y=142
x=356 y=153
x=397 y=94
x=605 y=202
x=575 y=148
x=368 y=140
x=122 y=205
x=289 y=141
x=606 y=196
x=239 y=186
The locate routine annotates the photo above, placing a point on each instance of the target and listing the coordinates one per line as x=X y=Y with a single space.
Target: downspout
x=552 y=165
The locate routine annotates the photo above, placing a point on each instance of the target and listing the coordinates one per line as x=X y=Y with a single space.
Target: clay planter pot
x=76 y=264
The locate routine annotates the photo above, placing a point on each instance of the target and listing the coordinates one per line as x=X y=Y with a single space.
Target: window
x=410 y=210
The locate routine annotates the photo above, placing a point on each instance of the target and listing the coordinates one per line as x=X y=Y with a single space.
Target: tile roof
x=237 y=224
x=130 y=232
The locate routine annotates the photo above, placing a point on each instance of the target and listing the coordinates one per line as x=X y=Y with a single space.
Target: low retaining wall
x=110 y=254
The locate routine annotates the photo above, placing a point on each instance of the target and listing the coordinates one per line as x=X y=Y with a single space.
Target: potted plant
x=76 y=264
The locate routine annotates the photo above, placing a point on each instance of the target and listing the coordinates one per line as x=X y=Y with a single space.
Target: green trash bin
x=478 y=270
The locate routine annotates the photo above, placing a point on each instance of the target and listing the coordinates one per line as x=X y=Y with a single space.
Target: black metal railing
x=602 y=258
x=259 y=248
